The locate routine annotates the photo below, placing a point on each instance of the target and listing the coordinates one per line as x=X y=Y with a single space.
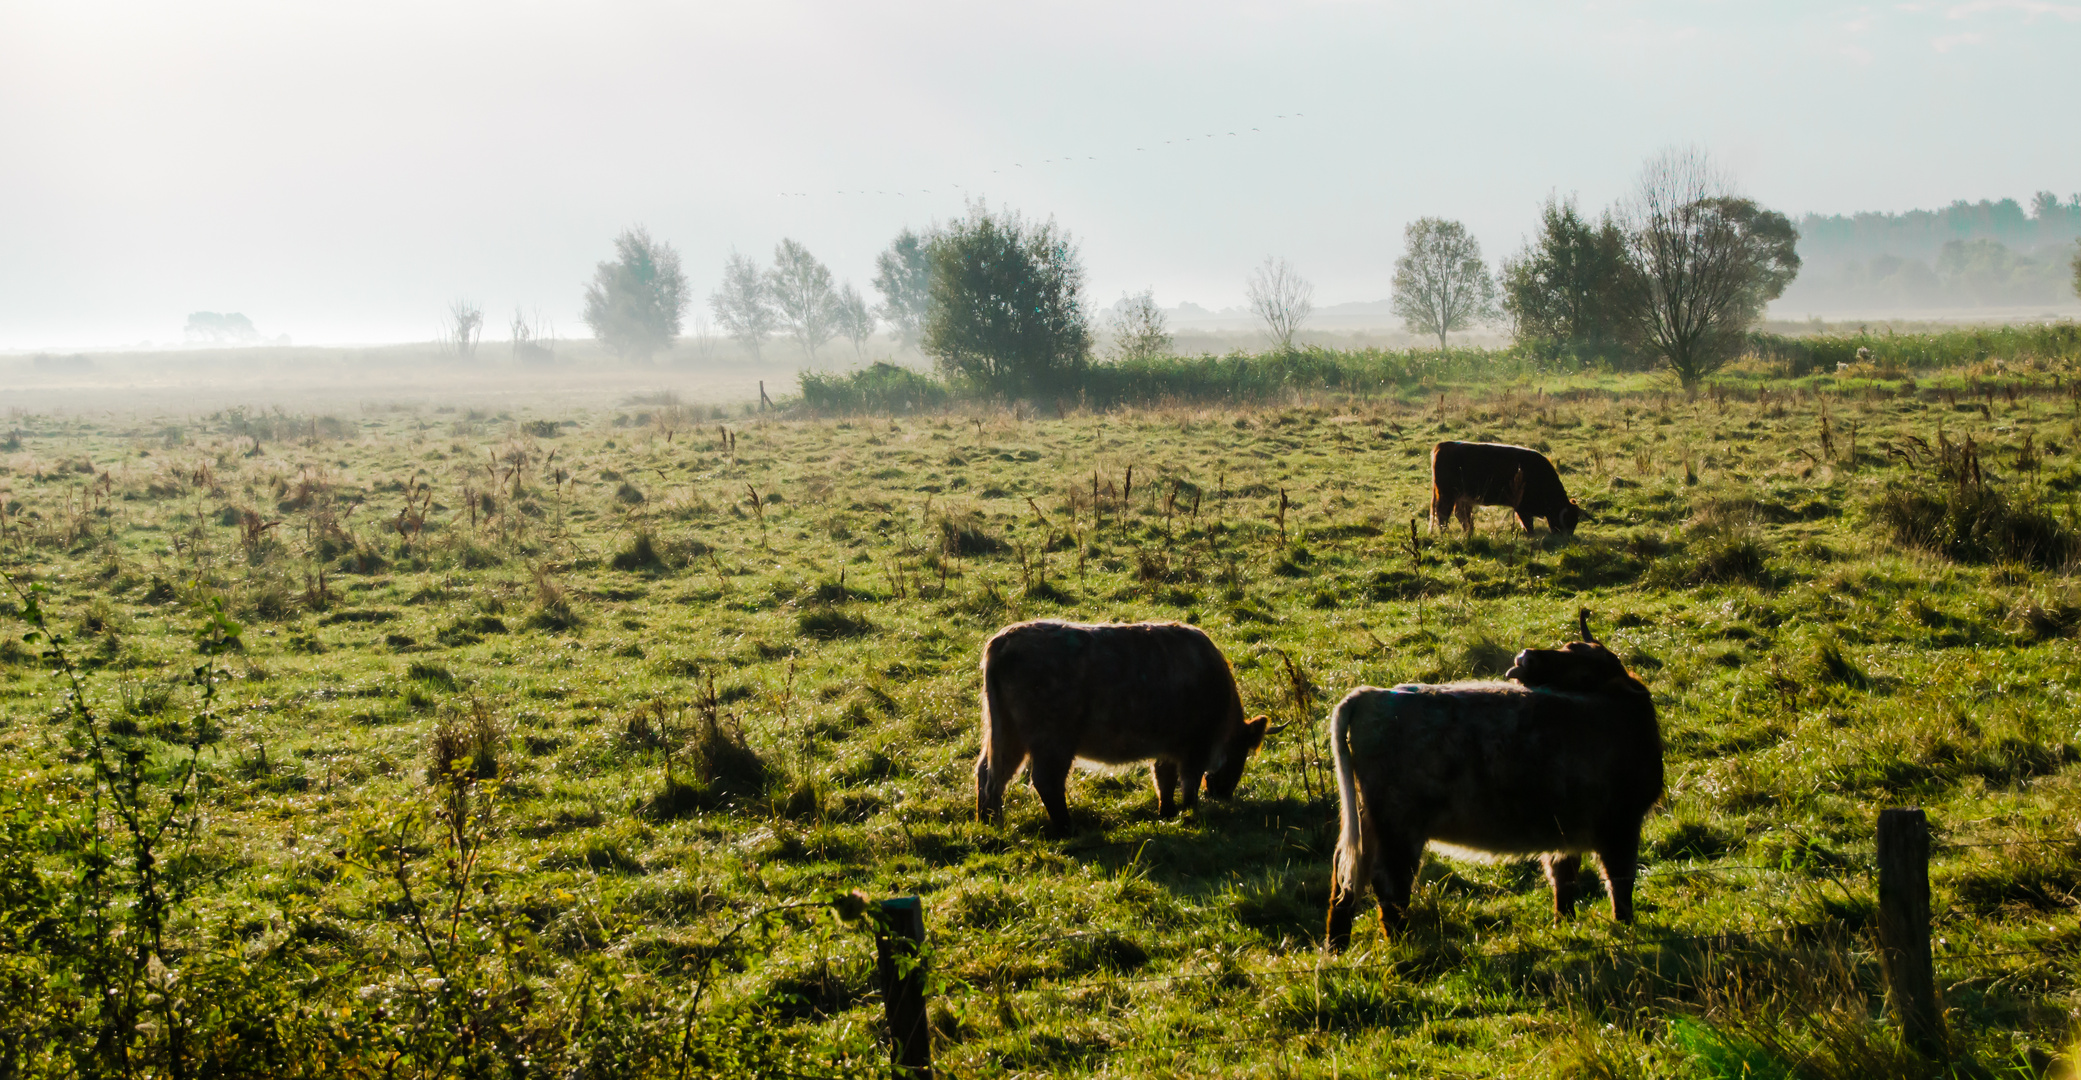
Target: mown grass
x=752 y=685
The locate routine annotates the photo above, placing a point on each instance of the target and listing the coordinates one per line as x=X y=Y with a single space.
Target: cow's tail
x=1352 y=871
x=1003 y=750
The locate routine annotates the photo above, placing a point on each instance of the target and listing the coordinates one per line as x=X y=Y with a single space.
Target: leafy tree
x=218 y=329
x=1441 y=284
x=1006 y=305
x=903 y=275
x=2077 y=269
x=854 y=320
x=1281 y=299
x=1708 y=261
x=1137 y=328
x=740 y=304
x=1571 y=288
x=801 y=291
x=635 y=303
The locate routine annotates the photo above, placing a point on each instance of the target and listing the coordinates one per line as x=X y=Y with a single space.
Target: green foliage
x=743 y=304
x=877 y=388
x=1953 y=507
x=1707 y=263
x=1441 y=282
x=635 y=303
x=1571 y=291
x=664 y=778
x=903 y=275
x=1007 y=311
x=804 y=295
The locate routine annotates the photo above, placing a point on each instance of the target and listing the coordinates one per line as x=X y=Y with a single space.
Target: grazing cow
x=1466 y=475
x=1057 y=691
x=1565 y=759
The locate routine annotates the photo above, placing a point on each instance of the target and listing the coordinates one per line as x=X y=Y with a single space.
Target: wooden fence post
x=1904 y=929
x=898 y=947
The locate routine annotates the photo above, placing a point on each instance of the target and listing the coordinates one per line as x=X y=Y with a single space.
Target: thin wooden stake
x=899 y=947
x=1904 y=929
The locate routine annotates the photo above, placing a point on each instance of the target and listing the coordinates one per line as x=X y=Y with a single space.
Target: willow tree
x=1707 y=261
x=635 y=303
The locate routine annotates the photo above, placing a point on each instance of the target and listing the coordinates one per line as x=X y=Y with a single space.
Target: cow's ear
x=1517 y=671
x=1255 y=730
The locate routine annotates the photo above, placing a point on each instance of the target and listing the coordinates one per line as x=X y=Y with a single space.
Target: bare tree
x=855 y=322
x=534 y=340
x=1708 y=261
x=465 y=327
x=740 y=304
x=703 y=338
x=1441 y=284
x=1138 y=329
x=1281 y=299
x=801 y=290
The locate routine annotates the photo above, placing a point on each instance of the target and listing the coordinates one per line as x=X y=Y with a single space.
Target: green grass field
x=546 y=723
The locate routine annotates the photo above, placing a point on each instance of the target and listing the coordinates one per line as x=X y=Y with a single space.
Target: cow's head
x=1566 y=520
x=1579 y=666
x=1227 y=769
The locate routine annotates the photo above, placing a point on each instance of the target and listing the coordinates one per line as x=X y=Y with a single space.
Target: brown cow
x=1054 y=692
x=1466 y=475
x=1565 y=760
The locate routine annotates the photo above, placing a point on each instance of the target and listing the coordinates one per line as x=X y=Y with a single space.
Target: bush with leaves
x=636 y=302
x=1007 y=309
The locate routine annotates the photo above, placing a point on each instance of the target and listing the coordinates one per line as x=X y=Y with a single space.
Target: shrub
x=1956 y=510
x=880 y=387
x=641 y=554
x=464 y=744
x=829 y=624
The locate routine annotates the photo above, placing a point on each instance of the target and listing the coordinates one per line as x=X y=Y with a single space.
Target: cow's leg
x=1355 y=867
x=1165 y=775
x=1002 y=755
x=1619 y=858
x=1561 y=872
x=1441 y=512
x=1465 y=511
x=1050 y=777
x=1394 y=881
x=1192 y=776
x=1524 y=521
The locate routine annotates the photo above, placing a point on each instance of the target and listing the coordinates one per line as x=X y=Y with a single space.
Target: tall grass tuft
x=1956 y=509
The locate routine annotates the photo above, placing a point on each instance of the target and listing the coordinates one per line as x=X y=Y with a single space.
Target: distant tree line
x=1997 y=252
x=1675 y=276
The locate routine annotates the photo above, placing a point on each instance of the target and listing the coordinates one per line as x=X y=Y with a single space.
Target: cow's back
x=1111 y=693
x=1499 y=767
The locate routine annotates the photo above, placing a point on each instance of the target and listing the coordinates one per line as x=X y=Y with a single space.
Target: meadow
x=566 y=740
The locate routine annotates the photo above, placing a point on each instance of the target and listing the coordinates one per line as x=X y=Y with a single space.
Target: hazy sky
x=339 y=172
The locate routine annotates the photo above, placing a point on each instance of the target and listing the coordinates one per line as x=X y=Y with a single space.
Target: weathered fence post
x=899 y=945
x=1904 y=928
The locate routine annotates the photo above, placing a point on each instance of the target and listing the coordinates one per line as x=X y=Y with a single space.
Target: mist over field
x=532 y=537
x=342 y=177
